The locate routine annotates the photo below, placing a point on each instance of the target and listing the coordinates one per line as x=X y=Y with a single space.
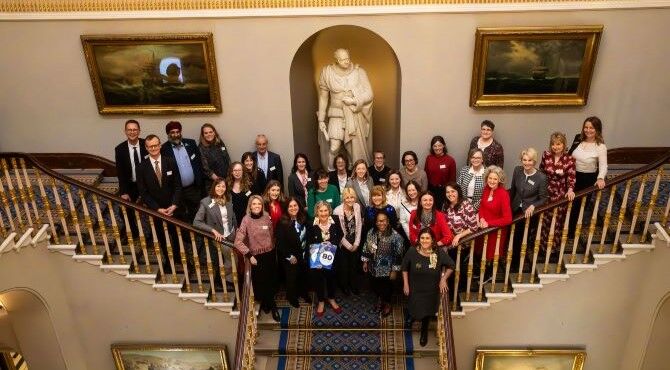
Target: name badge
x=531 y=182
x=192 y=156
x=329 y=200
x=212 y=204
x=248 y=193
x=272 y=168
x=169 y=173
x=223 y=148
x=559 y=171
x=146 y=156
x=264 y=227
x=443 y=166
x=382 y=180
x=309 y=179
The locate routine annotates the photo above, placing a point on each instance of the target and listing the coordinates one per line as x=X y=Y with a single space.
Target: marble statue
x=345 y=111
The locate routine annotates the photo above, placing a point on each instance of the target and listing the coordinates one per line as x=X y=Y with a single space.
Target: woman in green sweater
x=323 y=191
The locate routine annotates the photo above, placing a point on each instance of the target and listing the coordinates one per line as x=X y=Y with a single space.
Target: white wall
x=47 y=102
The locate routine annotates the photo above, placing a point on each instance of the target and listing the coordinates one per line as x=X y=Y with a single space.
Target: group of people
x=331 y=226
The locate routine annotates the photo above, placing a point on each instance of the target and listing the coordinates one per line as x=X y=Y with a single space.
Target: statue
x=345 y=101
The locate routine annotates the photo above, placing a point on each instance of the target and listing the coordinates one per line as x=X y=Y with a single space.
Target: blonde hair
x=349 y=192
x=496 y=170
x=531 y=153
x=378 y=190
x=323 y=203
x=251 y=198
x=560 y=137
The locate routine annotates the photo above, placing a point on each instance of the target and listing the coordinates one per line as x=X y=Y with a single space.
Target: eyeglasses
x=153 y=146
x=409 y=161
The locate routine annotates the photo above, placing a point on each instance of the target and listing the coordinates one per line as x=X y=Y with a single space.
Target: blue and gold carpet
x=325 y=342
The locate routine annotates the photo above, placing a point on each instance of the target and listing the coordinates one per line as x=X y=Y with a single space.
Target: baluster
x=592 y=227
x=157 y=249
x=75 y=218
x=652 y=204
x=8 y=210
x=508 y=259
x=524 y=245
x=457 y=276
x=550 y=242
x=564 y=237
x=170 y=253
x=143 y=243
x=12 y=193
x=22 y=192
x=116 y=232
x=103 y=229
x=482 y=269
x=222 y=270
x=184 y=259
x=210 y=270
x=233 y=265
x=470 y=269
x=60 y=211
x=608 y=216
x=196 y=263
x=636 y=210
x=29 y=190
x=496 y=256
x=536 y=250
x=88 y=222
x=441 y=342
x=129 y=237
x=578 y=230
x=46 y=204
x=622 y=215
x=664 y=221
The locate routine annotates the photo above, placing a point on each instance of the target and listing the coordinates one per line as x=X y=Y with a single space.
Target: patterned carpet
x=358 y=313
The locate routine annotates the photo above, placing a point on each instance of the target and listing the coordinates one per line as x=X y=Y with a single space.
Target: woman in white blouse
x=590 y=155
x=411 y=202
x=395 y=194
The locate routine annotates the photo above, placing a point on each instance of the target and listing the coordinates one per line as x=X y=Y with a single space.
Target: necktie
x=136 y=161
x=157 y=168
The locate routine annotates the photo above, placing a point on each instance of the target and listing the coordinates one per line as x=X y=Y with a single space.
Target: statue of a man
x=345 y=104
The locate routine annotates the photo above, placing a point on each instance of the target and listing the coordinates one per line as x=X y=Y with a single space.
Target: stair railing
x=247 y=326
x=605 y=210
x=77 y=214
x=446 y=356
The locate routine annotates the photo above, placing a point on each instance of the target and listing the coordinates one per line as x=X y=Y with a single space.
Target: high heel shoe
x=275 y=315
x=338 y=309
x=320 y=313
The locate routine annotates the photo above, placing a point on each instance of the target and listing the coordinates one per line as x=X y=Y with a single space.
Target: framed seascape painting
x=153 y=74
x=533 y=66
x=169 y=357
x=541 y=359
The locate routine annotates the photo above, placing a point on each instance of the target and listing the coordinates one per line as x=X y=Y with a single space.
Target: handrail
x=582 y=193
x=450 y=350
x=77 y=161
x=242 y=333
x=138 y=207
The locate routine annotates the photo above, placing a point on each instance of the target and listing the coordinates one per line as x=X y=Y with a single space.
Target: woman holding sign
x=254 y=239
x=323 y=237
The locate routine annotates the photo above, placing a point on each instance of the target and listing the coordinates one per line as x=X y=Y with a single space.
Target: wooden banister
x=76 y=161
x=244 y=317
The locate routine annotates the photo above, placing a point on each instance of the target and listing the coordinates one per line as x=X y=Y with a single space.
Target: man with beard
x=185 y=152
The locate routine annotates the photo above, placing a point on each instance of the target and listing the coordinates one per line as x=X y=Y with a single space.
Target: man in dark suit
x=128 y=155
x=268 y=162
x=160 y=189
x=186 y=155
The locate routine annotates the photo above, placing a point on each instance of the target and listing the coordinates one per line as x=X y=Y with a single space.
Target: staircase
x=72 y=212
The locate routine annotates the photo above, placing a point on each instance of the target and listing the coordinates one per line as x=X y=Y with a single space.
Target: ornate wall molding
x=107 y=9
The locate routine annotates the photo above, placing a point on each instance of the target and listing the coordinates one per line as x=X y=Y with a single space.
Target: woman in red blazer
x=427 y=216
x=494 y=211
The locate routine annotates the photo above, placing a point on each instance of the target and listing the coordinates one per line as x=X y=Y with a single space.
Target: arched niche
x=29 y=322
x=373 y=54
x=656 y=355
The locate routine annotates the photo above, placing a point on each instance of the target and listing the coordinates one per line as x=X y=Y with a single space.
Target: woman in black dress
x=213 y=153
x=239 y=186
x=425 y=270
x=291 y=243
x=256 y=175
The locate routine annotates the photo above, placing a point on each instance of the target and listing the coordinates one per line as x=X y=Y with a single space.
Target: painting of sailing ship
x=533 y=66
x=156 y=357
x=153 y=74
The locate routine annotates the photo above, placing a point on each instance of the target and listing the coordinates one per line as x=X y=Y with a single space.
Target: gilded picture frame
x=181 y=356
x=153 y=74
x=536 y=359
x=533 y=66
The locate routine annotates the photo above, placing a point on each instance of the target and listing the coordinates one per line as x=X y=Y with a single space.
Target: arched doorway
x=373 y=54
x=656 y=354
